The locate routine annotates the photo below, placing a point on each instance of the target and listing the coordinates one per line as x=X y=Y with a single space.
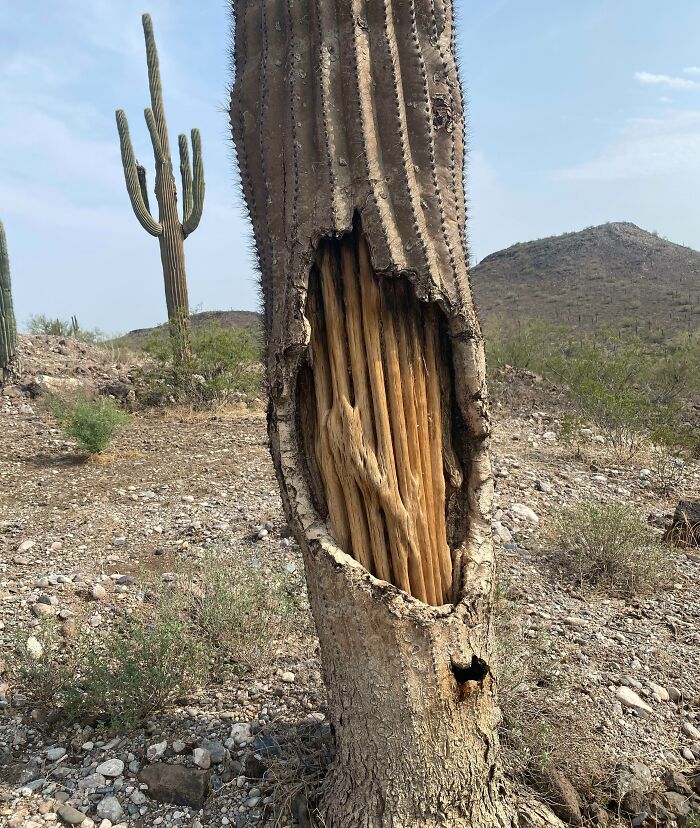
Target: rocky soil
x=173 y=485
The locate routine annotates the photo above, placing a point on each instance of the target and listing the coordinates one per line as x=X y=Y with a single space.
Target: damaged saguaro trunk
x=348 y=122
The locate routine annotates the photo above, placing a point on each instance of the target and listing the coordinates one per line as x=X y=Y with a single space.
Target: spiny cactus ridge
x=8 y=324
x=168 y=228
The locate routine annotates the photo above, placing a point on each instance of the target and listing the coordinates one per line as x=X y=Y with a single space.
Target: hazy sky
x=580 y=113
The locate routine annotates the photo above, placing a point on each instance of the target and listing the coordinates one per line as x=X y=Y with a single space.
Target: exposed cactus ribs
x=376 y=456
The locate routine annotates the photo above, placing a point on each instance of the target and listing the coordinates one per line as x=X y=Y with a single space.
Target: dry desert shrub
x=609 y=546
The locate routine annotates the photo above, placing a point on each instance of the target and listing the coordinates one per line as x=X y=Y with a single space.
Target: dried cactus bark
x=348 y=121
x=168 y=229
x=9 y=364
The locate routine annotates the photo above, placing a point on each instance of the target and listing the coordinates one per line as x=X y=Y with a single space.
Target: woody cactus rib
x=168 y=228
x=8 y=325
x=348 y=121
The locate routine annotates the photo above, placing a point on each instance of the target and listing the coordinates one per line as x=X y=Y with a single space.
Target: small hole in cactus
x=470 y=677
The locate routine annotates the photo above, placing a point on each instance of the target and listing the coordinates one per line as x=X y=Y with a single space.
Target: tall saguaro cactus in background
x=348 y=121
x=170 y=231
x=8 y=324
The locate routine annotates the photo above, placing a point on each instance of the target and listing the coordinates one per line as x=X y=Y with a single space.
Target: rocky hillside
x=615 y=274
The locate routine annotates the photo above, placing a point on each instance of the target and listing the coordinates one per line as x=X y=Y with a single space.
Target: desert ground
x=617 y=680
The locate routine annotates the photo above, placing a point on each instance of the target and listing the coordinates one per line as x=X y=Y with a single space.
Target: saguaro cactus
x=348 y=122
x=8 y=324
x=170 y=231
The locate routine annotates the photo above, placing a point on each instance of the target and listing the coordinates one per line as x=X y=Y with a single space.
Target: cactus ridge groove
x=374 y=159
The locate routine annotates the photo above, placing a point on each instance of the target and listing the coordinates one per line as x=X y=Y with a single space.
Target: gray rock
x=34 y=785
x=240 y=733
x=156 y=751
x=217 y=751
x=70 y=815
x=660 y=693
x=202 y=758
x=109 y=808
x=677 y=803
x=176 y=784
x=59 y=386
x=691 y=731
x=54 y=754
x=635 y=777
x=112 y=767
x=628 y=698
x=501 y=532
x=92 y=782
x=524 y=512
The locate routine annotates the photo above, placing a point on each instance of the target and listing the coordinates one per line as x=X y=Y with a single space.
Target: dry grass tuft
x=292 y=763
x=609 y=546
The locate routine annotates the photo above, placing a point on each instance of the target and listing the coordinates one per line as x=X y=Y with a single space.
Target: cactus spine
x=169 y=230
x=8 y=324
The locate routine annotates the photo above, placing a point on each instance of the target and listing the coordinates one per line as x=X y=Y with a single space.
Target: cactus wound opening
x=375 y=421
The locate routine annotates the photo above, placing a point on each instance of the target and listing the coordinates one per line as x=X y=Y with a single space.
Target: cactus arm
x=192 y=221
x=131 y=176
x=186 y=172
x=154 y=84
x=141 y=172
x=155 y=137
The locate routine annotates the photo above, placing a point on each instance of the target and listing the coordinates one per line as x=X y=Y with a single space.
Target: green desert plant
x=235 y=610
x=168 y=229
x=42 y=665
x=525 y=343
x=91 y=423
x=8 y=323
x=609 y=546
x=115 y=679
x=620 y=389
x=223 y=361
x=220 y=612
x=135 y=671
x=41 y=325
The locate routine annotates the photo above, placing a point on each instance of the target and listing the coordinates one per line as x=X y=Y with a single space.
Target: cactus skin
x=168 y=229
x=8 y=323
